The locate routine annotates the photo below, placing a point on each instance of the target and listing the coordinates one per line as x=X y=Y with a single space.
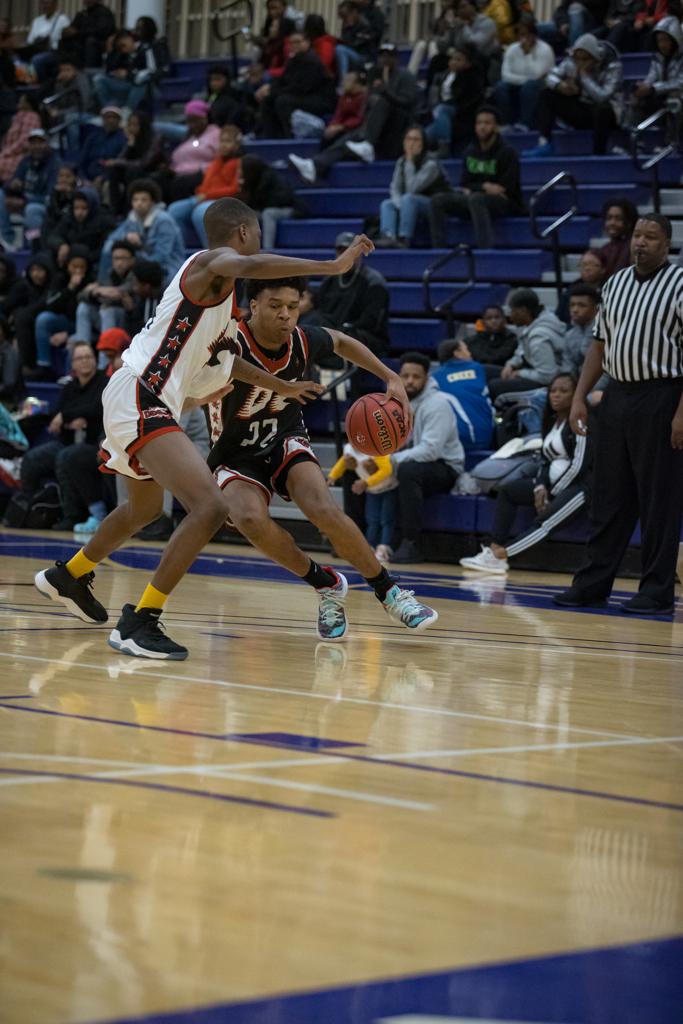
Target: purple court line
x=19 y=696
x=478 y=776
x=206 y=794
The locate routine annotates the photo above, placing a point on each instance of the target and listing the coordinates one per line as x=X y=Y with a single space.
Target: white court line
x=235 y=776
x=308 y=695
x=528 y=748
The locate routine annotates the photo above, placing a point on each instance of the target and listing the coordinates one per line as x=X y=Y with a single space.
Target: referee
x=638 y=467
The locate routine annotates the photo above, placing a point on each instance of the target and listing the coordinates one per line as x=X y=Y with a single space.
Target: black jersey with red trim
x=250 y=419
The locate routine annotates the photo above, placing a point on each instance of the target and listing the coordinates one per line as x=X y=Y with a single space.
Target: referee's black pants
x=636 y=474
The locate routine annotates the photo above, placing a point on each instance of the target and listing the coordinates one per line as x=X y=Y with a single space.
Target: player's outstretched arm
x=301 y=391
x=359 y=354
x=225 y=263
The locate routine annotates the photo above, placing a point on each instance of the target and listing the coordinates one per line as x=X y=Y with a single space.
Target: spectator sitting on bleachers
x=84 y=223
x=56 y=318
x=378 y=483
x=8 y=277
x=591 y=273
x=583 y=306
x=650 y=14
x=43 y=39
x=102 y=144
x=76 y=428
x=221 y=178
x=85 y=37
x=351 y=107
x=454 y=98
x=225 y=105
x=463 y=381
x=374 y=15
x=28 y=190
x=24 y=299
x=619 y=28
x=471 y=26
x=557 y=487
x=15 y=143
x=391 y=103
x=433 y=456
x=71 y=99
x=505 y=15
x=573 y=18
x=539 y=345
x=585 y=91
x=111 y=344
x=489 y=186
x=356 y=302
x=304 y=84
x=663 y=84
x=102 y=303
x=492 y=343
x=619 y=219
x=525 y=65
x=271 y=42
x=417 y=175
x=323 y=44
x=59 y=202
x=11 y=382
x=267 y=192
x=191 y=157
x=437 y=44
x=133 y=67
x=358 y=41
x=148 y=285
x=151 y=230
x=142 y=154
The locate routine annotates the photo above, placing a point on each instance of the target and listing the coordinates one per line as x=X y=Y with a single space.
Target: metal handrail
x=651 y=162
x=445 y=309
x=552 y=231
x=232 y=36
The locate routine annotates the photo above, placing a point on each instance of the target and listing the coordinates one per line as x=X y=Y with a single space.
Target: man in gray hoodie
x=663 y=84
x=433 y=457
x=540 y=346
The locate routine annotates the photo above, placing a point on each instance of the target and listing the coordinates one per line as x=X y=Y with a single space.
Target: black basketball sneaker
x=142 y=635
x=59 y=585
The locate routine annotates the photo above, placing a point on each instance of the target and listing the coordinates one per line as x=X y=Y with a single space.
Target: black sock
x=319 y=577
x=381 y=584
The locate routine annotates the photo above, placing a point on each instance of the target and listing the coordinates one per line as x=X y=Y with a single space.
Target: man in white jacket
x=525 y=65
x=433 y=457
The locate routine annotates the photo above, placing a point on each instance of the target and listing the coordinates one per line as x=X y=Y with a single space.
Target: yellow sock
x=79 y=565
x=152 y=598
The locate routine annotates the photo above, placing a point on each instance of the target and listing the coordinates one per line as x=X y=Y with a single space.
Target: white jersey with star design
x=171 y=354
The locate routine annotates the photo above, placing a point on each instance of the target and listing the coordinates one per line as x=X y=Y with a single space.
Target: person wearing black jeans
x=303 y=85
x=639 y=445
x=489 y=188
x=433 y=457
x=583 y=90
x=72 y=456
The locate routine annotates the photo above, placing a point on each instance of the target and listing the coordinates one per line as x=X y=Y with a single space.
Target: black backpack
x=38 y=511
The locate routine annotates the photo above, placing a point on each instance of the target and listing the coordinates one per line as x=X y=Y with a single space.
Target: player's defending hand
x=301 y=391
x=360 y=246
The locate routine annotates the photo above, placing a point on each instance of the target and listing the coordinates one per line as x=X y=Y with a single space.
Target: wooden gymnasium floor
x=481 y=822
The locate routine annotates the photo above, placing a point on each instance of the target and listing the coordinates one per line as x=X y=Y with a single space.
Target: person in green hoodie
x=489 y=187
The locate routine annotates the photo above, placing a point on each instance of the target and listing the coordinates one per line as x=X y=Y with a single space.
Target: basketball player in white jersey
x=177 y=361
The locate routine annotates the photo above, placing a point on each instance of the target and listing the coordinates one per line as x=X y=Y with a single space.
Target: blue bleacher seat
x=409 y=264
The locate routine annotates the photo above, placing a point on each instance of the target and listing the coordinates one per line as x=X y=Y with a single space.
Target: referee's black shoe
x=641 y=604
x=575 y=598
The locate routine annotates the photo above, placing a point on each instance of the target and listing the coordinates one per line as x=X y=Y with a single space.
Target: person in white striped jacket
x=556 y=487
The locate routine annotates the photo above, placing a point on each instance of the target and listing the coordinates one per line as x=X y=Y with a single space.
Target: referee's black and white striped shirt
x=640 y=320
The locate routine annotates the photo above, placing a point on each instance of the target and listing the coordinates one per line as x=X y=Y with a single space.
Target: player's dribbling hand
x=303 y=391
x=396 y=390
x=578 y=418
x=360 y=246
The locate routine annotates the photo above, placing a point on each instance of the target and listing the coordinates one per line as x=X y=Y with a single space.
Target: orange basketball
x=375 y=425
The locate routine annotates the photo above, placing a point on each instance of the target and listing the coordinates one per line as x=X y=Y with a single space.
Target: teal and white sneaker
x=403 y=607
x=332 y=622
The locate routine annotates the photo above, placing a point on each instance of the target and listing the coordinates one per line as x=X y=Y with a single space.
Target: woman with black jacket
x=455 y=97
x=265 y=191
x=556 y=487
x=142 y=154
x=57 y=317
x=23 y=301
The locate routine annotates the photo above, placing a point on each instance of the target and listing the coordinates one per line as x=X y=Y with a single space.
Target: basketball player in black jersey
x=260 y=446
